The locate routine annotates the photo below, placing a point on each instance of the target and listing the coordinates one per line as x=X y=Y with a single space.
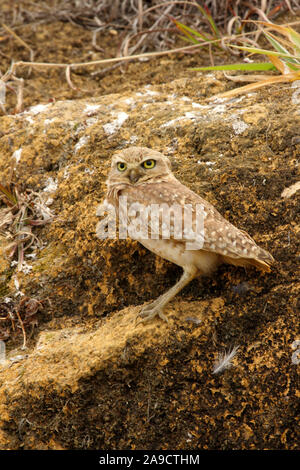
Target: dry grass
x=285 y=59
x=20 y=214
x=143 y=26
x=17 y=316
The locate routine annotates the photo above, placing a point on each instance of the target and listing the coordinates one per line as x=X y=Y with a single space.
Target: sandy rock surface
x=90 y=377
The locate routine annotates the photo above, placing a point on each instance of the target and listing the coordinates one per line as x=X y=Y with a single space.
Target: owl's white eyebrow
x=148 y=158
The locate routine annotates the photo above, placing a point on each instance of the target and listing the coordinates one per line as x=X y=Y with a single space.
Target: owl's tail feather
x=262 y=262
x=262 y=265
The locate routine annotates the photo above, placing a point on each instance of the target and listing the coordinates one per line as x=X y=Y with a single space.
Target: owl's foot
x=156 y=308
x=149 y=312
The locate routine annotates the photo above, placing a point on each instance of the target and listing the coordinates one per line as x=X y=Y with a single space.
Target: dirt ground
x=156 y=389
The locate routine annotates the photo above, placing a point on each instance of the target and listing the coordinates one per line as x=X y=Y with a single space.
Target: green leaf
x=255 y=66
x=279 y=48
x=9 y=195
x=186 y=29
x=194 y=41
x=189 y=38
x=295 y=38
x=209 y=18
x=255 y=50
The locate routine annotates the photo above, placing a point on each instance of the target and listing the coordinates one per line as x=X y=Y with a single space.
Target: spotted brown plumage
x=145 y=178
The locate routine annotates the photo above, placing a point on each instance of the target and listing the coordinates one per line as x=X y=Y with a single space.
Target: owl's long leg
x=156 y=308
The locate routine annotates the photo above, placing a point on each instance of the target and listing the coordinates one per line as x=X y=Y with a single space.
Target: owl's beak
x=134 y=176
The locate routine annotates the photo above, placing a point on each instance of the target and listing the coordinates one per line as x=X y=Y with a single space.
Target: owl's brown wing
x=204 y=226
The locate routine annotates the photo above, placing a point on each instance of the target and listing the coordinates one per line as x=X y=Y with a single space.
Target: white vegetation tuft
x=224 y=360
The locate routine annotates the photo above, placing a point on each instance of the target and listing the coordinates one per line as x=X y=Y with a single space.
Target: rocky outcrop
x=90 y=377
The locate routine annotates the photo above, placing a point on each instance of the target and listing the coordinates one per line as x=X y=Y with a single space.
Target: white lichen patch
x=25 y=268
x=187 y=115
x=48 y=121
x=77 y=128
x=128 y=101
x=42 y=208
x=31 y=255
x=39 y=108
x=199 y=106
x=17 y=283
x=219 y=108
x=133 y=139
x=172 y=122
x=30 y=120
x=66 y=172
x=198 y=112
x=17 y=154
x=218 y=99
x=81 y=142
x=237 y=99
x=91 y=121
x=51 y=185
x=206 y=163
x=149 y=91
x=239 y=126
x=91 y=108
x=191 y=115
x=89 y=171
x=112 y=127
x=146 y=92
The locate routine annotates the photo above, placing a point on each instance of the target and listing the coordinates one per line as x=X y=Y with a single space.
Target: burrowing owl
x=143 y=177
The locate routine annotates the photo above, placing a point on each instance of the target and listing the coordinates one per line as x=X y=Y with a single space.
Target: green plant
x=191 y=35
x=285 y=59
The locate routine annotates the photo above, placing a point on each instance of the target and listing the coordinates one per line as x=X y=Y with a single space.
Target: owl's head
x=136 y=165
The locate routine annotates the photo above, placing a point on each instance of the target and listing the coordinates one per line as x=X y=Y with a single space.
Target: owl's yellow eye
x=121 y=166
x=149 y=164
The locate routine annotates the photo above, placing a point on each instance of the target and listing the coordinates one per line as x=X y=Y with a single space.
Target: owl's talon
x=149 y=312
